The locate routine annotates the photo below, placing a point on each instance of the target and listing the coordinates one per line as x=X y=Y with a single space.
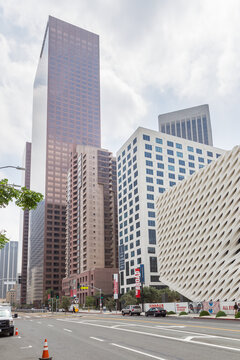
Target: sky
x=156 y=56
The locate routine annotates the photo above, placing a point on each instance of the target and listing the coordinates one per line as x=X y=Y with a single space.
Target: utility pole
x=100 y=300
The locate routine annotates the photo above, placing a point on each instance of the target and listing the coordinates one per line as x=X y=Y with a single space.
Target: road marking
x=67 y=330
x=154 y=322
x=26 y=347
x=138 y=352
x=169 y=337
x=39 y=322
x=30 y=320
x=50 y=325
x=94 y=338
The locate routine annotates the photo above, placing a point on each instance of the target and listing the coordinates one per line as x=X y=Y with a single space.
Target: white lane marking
x=137 y=351
x=170 y=326
x=94 y=338
x=26 y=347
x=39 y=322
x=27 y=316
x=50 y=325
x=169 y=337
x=67 y=330
x=30 y=320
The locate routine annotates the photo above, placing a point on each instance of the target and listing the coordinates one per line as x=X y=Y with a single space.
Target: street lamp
x=100 y=302
x=14 y=167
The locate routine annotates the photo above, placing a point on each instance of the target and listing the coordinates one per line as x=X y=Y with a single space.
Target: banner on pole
x=138 y=283
x=115 y=286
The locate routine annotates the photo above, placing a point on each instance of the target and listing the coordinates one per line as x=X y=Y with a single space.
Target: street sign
x=84 y=287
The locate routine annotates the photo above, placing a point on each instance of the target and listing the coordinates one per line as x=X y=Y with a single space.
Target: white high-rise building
x=149 y=163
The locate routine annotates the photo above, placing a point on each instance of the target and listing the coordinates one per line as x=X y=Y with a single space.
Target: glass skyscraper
x=8 y=267
x=66 y=111
x=191 y=124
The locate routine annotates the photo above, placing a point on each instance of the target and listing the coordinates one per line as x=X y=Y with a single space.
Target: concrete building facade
x=92 y=242
x=148 y=164
x=193 y=124
x=198 y=232
x=66 y=111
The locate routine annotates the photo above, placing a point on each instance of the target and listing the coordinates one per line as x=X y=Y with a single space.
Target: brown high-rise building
x=66 y=111
x=25 y=225
x=92 y=245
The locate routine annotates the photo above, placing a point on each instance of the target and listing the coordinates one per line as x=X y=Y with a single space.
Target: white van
x=6 y=320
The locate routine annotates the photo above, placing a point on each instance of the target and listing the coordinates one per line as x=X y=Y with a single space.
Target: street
x=90 y=337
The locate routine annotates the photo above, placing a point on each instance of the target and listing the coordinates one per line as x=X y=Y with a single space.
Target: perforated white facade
x=198 y=232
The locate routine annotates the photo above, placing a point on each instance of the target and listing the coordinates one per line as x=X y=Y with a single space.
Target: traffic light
x=57 y=297
x=78 y=286
x=52 y=293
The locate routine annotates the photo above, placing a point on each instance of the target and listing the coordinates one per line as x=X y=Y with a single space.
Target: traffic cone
x=45 y=354
x=16 y=332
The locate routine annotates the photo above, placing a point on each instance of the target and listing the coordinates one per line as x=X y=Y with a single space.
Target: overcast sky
x=156 y=56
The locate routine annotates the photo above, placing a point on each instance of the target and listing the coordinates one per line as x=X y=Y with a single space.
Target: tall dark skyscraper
x=192 y=124
x=66 y=111
x=8 y=267
x=25 y=225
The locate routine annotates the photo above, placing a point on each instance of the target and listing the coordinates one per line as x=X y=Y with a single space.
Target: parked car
x=132 y=310
x=156 y=311
x=6 y=320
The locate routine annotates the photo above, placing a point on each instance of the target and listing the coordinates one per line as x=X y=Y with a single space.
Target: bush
x=221 y=313
x=182 y=313
x=171 y=312
x=204 y=313
x=237 y=316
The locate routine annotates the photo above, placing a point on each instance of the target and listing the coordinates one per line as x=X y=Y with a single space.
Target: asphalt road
x=105 y=337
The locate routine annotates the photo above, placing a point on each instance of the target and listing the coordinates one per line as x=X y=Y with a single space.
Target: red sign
x=71 y=293
x=49 y=296
x=137 y=282
x=115 y=286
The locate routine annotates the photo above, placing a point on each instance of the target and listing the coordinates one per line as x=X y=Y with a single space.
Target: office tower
x=66 y=111
x=8 y=267
x=25 y=226
x=148 y=164
x=192 y=124
x=92 y=241
x=198 y=232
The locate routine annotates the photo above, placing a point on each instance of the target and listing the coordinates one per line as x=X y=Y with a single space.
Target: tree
x=128 y=298
x=110 y=303
x=90 y=301
x=66 y=302
x=24 y=198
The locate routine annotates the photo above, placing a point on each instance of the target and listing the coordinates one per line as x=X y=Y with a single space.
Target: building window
x=147 y=154
x=151 y=223
x=149 y=163
x=150 y=205
x=149 y=171
x=209 y=153
x=200 y=159
x=134 y=141
x=153 y=264
x=172 y=183
x=150 y=188
x=190 y=148
x=151 y=214
x=171 y=160
x=179 y=154
x=159 y=182
x=146 y=137
x=158 y=149
x=159 y=157
x=178 y=146
x=159 y=141
x=150 y=197
x=199 y=151
x=152 y=236
x=170 y=152
x=148 y=147
x=170 y=143
x=161 y=190
x=191 y=165
x=171 y=176
x=171 y=168
x=151 y=250
x=149 y=179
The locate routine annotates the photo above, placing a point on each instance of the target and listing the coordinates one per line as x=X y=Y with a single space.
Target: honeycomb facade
x=198 y=232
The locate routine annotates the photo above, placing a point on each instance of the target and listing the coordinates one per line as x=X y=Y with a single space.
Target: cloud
x=156 y=56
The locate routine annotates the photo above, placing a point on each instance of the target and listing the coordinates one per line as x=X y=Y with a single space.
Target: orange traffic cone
x=16 y=332
x=45 y=354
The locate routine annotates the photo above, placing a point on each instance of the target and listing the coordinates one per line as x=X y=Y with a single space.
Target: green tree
x=65 y=303
x=128 y=298
x=110 y=303
x=90 y=301
x=24 y=198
